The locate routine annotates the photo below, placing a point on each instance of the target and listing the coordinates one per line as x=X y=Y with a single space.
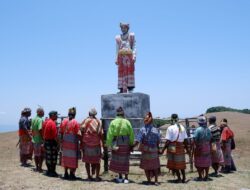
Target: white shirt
x=173 y=131
x=125 y=44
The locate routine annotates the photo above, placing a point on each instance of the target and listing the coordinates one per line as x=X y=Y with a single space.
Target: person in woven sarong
x=25 y=146
x=202 y=154
x=149 y=139
x=217 y=155
x=92 y=143
x=227 y=136
x=125 y=59
x=120 y=138
x=37 y=138
x=70 y=135
x=51 y=144
x=176 y=144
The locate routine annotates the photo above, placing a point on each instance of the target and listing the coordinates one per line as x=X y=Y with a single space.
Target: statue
x=125 y=59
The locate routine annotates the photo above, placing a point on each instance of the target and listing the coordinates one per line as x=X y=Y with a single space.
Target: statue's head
x=124 y=27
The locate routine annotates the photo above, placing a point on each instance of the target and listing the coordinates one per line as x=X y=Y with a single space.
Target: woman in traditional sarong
x=176 y=144
x=149 y=139
x=25 y=137
x=92 y=142
x=202 y=155
x=216 y=152
x=120 y=139
x=69 y=130
x=227 y=136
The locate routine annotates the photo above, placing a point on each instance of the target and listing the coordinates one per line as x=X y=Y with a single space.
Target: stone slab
x=135 y=106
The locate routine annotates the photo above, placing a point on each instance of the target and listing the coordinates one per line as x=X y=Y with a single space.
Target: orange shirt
x=50 y=130
x=92 y=132
x=69 y=127
x=227 y=133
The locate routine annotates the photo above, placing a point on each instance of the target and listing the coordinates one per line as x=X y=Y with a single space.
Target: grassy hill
x=226 y=109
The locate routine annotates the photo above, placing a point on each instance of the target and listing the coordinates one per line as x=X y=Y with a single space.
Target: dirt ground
x=14 y=177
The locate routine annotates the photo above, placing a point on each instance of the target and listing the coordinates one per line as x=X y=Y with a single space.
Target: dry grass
x=14 y=177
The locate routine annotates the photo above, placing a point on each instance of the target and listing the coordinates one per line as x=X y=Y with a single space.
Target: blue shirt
x=148 y=135
x=24 y=123
x=202 y=134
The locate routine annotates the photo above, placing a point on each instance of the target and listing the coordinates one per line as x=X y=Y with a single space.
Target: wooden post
x=190 y=155
x=105 y=149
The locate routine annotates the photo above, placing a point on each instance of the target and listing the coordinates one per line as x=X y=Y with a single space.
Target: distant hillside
x=223 y=109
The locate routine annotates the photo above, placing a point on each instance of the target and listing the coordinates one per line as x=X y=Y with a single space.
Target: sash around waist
x=121 y=140
x=125 y=52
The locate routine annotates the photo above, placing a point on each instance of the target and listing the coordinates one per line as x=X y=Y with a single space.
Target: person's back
x=176 y=132
x=150 y=135
x=50 y=130
x=36 y=126
x=215 y=132
x=202 y=153
x=92 y=131
x=227 y=136
x=120 y=138
x=202 y=134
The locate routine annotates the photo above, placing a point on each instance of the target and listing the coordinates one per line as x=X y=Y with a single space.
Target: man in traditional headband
x=217 y=155
x=92 y=144
x=176 y=142
x=125 y=59
x=25 y=136
x=50 y=144
x=120 y=138
x=202 y=152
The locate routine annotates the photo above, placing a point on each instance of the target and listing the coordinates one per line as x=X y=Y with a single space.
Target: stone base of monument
x=135 y=106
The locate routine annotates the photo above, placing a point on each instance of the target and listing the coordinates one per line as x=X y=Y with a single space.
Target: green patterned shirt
x=36 y=126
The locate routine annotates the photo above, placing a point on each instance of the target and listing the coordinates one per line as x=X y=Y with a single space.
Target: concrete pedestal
x=135 y=106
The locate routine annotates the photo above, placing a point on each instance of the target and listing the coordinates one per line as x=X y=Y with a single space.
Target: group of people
x=45 y=139
x=212 y=145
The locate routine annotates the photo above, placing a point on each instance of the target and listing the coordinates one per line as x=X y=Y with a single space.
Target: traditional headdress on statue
x=148 y=118
x=92 y=112
x=124 y=24
x=72 y=111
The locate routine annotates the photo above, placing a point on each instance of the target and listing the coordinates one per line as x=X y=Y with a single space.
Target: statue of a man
x=125 y=59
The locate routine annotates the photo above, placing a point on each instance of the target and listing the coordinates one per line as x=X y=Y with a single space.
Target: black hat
x=212 y=119
x=120 y=111
x=174 y=116
x=72 y=111
x=52 y=113
x=26 y=110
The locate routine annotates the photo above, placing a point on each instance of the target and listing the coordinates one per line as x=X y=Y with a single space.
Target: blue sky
x=191 y=55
